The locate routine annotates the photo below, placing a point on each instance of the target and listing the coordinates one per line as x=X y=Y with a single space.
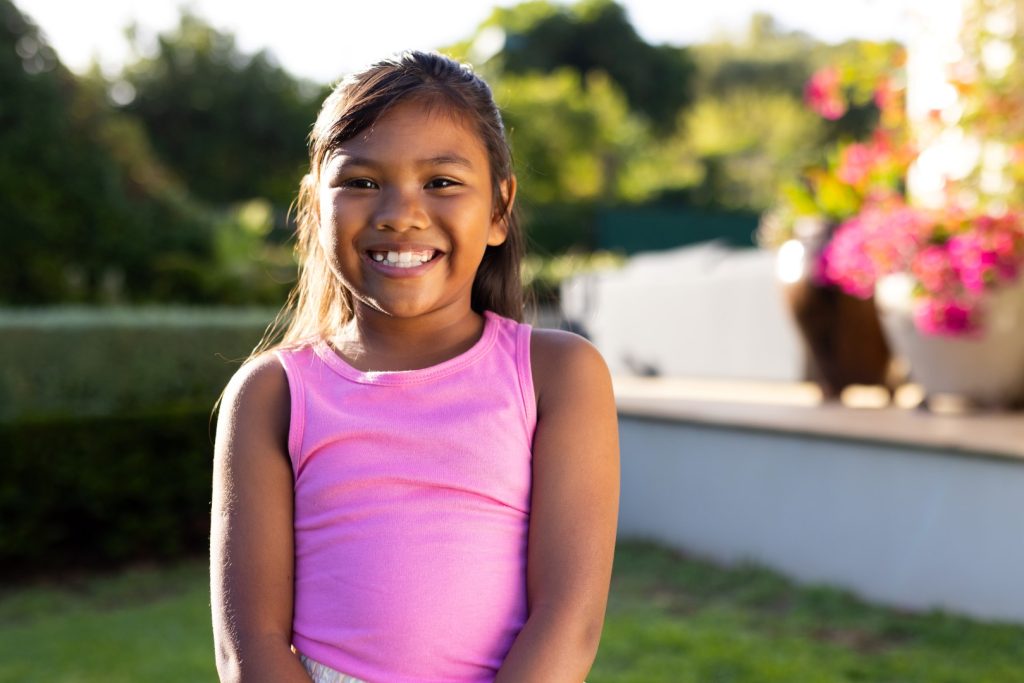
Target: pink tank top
x=412 y=506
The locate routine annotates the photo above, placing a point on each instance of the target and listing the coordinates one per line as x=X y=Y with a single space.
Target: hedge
x=93 y=491
x=105 y=431
x=101 y=362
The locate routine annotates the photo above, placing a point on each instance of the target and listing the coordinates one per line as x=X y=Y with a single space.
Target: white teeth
x=402 y=259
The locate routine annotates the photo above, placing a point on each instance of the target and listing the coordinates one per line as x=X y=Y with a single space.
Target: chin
x=398 y=310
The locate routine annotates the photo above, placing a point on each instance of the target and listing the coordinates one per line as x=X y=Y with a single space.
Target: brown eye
x=360 y=184
x=442 y=183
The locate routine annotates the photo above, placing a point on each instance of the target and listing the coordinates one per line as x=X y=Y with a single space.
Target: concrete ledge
x=906 y=508
x=796 y=408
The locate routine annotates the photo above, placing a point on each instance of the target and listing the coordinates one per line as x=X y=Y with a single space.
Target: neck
x=376 y=341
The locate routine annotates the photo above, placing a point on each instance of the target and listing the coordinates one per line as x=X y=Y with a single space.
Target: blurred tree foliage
x=729 y=122
x=89 y=214
x=572 y=140
x=745 y=142
x=748 y=128
x=768 y=58
x=170 y=180
x=595 y=35
x=578 y=147
x=231 y=125
x=772 y=60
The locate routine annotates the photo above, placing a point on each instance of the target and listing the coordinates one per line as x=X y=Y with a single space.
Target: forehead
x=417 y=128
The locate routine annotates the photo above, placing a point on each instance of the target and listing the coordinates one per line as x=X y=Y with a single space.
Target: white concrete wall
x=703 y=311
x=910 y=528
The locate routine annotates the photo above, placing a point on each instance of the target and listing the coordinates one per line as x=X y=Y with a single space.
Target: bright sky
x=321 y=39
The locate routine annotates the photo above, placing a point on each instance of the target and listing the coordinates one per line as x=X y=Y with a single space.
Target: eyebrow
x=439 y=160
x=447 y=159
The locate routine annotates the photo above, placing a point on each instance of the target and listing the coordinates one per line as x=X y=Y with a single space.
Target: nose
x=400 y=209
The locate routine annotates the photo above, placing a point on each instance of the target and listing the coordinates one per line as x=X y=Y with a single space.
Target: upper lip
x=402 y=247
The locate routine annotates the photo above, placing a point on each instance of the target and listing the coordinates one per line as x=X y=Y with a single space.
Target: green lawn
x=143 y=625
x=680 y=620
x=670 y=619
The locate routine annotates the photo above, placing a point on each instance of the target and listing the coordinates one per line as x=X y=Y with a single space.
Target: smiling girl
x=412 y=485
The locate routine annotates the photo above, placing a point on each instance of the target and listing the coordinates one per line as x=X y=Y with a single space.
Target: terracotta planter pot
x=842 y=333
x=986 y=370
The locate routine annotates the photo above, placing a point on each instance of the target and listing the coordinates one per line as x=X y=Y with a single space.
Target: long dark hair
x=319 y=303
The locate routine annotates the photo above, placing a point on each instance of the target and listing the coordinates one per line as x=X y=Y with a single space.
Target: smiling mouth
x=404 y=259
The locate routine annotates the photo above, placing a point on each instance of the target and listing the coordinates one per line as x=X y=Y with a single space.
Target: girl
x=412 y=486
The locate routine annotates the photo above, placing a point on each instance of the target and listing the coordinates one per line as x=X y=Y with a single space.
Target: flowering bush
x=855 y=175
x=854 y=172
x=824 y=93
x=954 y=256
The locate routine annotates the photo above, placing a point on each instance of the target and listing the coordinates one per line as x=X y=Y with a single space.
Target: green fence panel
x=650 y=228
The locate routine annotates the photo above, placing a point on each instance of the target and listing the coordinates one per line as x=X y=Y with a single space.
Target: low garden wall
x=904 y=508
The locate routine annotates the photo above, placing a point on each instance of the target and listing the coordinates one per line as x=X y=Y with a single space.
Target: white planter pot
x=987 y=369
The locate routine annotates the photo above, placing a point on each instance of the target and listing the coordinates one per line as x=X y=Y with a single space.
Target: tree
x=774 y=61
x=596 y=35
x=231 y=125
x=748 y=141
x=87 y=212
x=574 y=145
x=769 y=59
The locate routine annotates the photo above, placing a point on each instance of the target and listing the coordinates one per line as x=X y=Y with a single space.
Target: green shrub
x=89 y=491
x=105 y=431
x=99 y=362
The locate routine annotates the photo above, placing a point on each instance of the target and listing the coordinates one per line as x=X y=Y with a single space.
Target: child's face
x=406 y=212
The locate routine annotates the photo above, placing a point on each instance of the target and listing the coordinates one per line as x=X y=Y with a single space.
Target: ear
x=499 y=222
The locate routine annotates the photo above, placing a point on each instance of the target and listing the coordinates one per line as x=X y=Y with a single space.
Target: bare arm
x=251 y=536
x=574 y=508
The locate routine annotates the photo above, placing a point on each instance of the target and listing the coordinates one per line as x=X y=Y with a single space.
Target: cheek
x=327 y=234
x=328 y=239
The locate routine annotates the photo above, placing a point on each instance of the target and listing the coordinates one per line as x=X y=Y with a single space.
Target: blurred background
x=683 y=170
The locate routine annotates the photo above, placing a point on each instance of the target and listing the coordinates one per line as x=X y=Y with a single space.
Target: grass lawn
x=142 y=625
x=670 y=619
x=678 y=619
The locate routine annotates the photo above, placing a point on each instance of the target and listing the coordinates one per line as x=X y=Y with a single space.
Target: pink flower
x=823 y=93
x=1006 y=247
x=956 y=259
x=883 y=95
x=972 y=262
x=845 y=260
x=886 y=96
x=988 y=252
x=855 y=163
x=934 y=269
x=940 y=317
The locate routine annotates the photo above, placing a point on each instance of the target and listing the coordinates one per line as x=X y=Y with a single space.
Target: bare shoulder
x=565 y=363
x=259 y=375
x=257 y=397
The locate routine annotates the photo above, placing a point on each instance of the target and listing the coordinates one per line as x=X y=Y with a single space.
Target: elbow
x=580 y=635
x=228 y=670
x=251 y=658
x=589 y=637
x=229 y=666
x=579 y=649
